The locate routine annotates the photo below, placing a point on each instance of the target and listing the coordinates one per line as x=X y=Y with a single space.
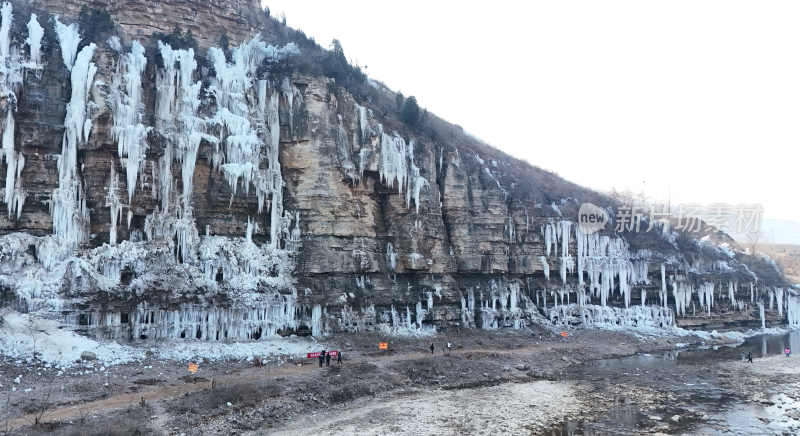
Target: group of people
x=325 y=357
x=787 y=351
x=449 y=347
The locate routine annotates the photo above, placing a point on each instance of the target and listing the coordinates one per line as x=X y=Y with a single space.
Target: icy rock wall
x=70 y=214
x=41 y=268
x=639 y=317
x=216 y=179
x=269 y=318
x=13 y=66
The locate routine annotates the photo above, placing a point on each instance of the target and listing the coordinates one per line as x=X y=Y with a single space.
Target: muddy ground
x=500 y=382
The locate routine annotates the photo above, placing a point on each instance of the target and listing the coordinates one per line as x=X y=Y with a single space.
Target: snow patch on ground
x=193 y=350
x=732 y=335
x=55 y=344
x=21 y=334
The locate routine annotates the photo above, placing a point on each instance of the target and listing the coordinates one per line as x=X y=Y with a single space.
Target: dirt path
x=154 y=394
x=158 y=393
x=549 y=351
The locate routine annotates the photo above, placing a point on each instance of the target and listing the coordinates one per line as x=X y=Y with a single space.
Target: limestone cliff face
x=219 y=195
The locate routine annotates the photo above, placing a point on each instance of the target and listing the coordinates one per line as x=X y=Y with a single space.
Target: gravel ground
x=509 y=409
x=528 y=365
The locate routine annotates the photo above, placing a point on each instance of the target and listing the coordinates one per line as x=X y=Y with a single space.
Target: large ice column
x=603 y=260
x=177 y=105
x=391 y=257
x=273 y=182
x=732 y=294
x=393 y=165
x=468 y=308
x=415 y=181
x=34 y=42
x=682 y=292
x=663 y=286
x=779 y=300
x=793 y=310
x=11 y=64
x=567 y=265
x=68 y=205
x=420 y=314
x=240 y=156
x=115 y=206
x=128 y=111
x=288 y=93
x=363 y=123
x=563 y=232
x=177 y=118
x=397 y=168
x=249 y=126
x=548 y=236
x=11 y=79
x=545 y=267
x=15 y=162
x=761 y=315
x=68 y=38
x=316 y=321
x=5 y=29
x=705 y=294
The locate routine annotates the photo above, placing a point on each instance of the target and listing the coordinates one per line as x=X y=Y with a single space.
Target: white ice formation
x=68 y=204
x=639 y=317
x=128 y=112
x=12 y=72
x=397 y=168
x=253 y=281
x=34 y=42
x=68 y=38
x=793 y=310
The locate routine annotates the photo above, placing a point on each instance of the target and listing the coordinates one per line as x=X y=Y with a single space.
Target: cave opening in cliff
x=126 y=276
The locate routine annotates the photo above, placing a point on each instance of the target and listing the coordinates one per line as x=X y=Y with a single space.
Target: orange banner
x=383 y=345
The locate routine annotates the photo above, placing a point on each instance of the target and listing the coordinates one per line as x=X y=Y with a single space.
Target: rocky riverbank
x=535 y=371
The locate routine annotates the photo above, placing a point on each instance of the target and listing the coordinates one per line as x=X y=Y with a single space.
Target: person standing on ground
x=339 y=358
x=750 y=357
x=449 y=347
x=321 y=358
x=788 y=352
x=432 y=347
x=328 y=360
